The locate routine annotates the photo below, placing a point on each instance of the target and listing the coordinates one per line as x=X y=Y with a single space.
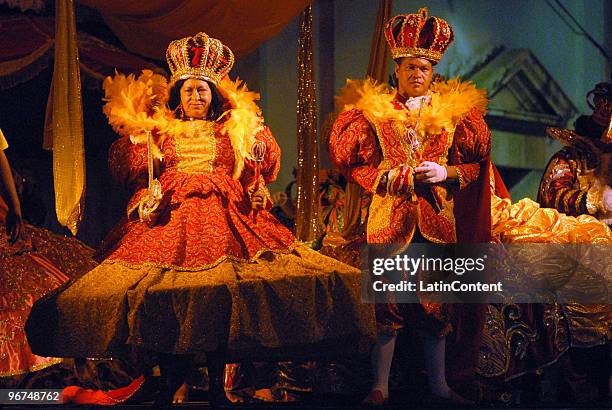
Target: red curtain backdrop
x=26 y=47
x=146 y=27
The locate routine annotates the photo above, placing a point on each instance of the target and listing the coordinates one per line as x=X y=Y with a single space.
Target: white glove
x=430 y=172
x=607 y=199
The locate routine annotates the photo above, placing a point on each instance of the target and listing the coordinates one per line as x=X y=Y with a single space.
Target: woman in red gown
x=200 y=265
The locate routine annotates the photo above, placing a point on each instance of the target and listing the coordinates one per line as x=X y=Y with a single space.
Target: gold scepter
x=258 y=151
x=414 y=145
x=154 y=194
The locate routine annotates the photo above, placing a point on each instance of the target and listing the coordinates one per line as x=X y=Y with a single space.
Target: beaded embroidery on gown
x=212 y=273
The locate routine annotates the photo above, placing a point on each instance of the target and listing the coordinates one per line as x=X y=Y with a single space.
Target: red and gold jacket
x=575 y=176
x=369 y=138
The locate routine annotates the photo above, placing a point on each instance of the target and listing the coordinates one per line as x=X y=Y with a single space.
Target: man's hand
x=400 y=180
x=14 y=226
x=430 y=173
x=258 y=199
x=607 y=199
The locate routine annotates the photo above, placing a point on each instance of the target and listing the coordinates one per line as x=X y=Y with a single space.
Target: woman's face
x=195 y=98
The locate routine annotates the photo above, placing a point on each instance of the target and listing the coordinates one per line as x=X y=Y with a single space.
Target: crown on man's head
x=600 y=101
x=418 y=35
x=201 y=57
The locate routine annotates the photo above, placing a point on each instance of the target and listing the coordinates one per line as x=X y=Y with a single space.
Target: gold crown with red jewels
x=201 y=57
x=418 y=35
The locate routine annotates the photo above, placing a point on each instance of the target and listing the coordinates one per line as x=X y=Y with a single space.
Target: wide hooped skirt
x=280 y=300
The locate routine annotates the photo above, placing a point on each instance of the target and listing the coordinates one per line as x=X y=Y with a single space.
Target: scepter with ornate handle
x=415 y=146
x=154 y=194
x=258 y=152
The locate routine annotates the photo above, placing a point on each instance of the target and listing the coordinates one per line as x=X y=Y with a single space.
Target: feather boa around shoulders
x=244 y=120
x=451 y=101
x=374 y=100
x=138 y=105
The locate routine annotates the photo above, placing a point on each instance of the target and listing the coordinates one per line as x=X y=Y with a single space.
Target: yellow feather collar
x=451 y=101
x=135 y=106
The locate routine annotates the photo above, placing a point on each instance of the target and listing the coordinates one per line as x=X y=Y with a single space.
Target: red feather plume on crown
x=418 y=35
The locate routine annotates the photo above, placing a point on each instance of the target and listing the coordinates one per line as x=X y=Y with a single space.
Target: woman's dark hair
x=216 y=102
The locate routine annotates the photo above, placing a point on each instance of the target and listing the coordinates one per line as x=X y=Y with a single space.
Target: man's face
x=414 y=76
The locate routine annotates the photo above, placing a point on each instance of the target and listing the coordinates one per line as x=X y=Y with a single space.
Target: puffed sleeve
x=353 y=147
x=557 y=186
x=471 y=146
x=271 y=163
x=269 y=167
x=128 y=164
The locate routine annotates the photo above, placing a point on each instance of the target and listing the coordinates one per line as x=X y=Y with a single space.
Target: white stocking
x=382 y=356
x=435 y=363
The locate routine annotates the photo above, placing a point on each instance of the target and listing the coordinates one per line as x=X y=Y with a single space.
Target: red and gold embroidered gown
x=28 y=270
x=208 y=217
x=212 y=273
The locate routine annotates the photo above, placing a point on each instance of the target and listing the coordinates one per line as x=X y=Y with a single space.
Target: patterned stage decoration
x=307 y=219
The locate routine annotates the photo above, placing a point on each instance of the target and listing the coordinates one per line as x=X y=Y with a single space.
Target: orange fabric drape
x=27 y=46
x=147 y=26
x=24 y=50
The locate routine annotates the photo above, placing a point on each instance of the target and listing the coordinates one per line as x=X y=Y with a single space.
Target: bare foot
x=375 y=399
x=181 y=395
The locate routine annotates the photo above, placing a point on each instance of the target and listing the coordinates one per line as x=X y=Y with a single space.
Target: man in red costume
x=422 y=152
x=577 y=178
x=577 y=182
